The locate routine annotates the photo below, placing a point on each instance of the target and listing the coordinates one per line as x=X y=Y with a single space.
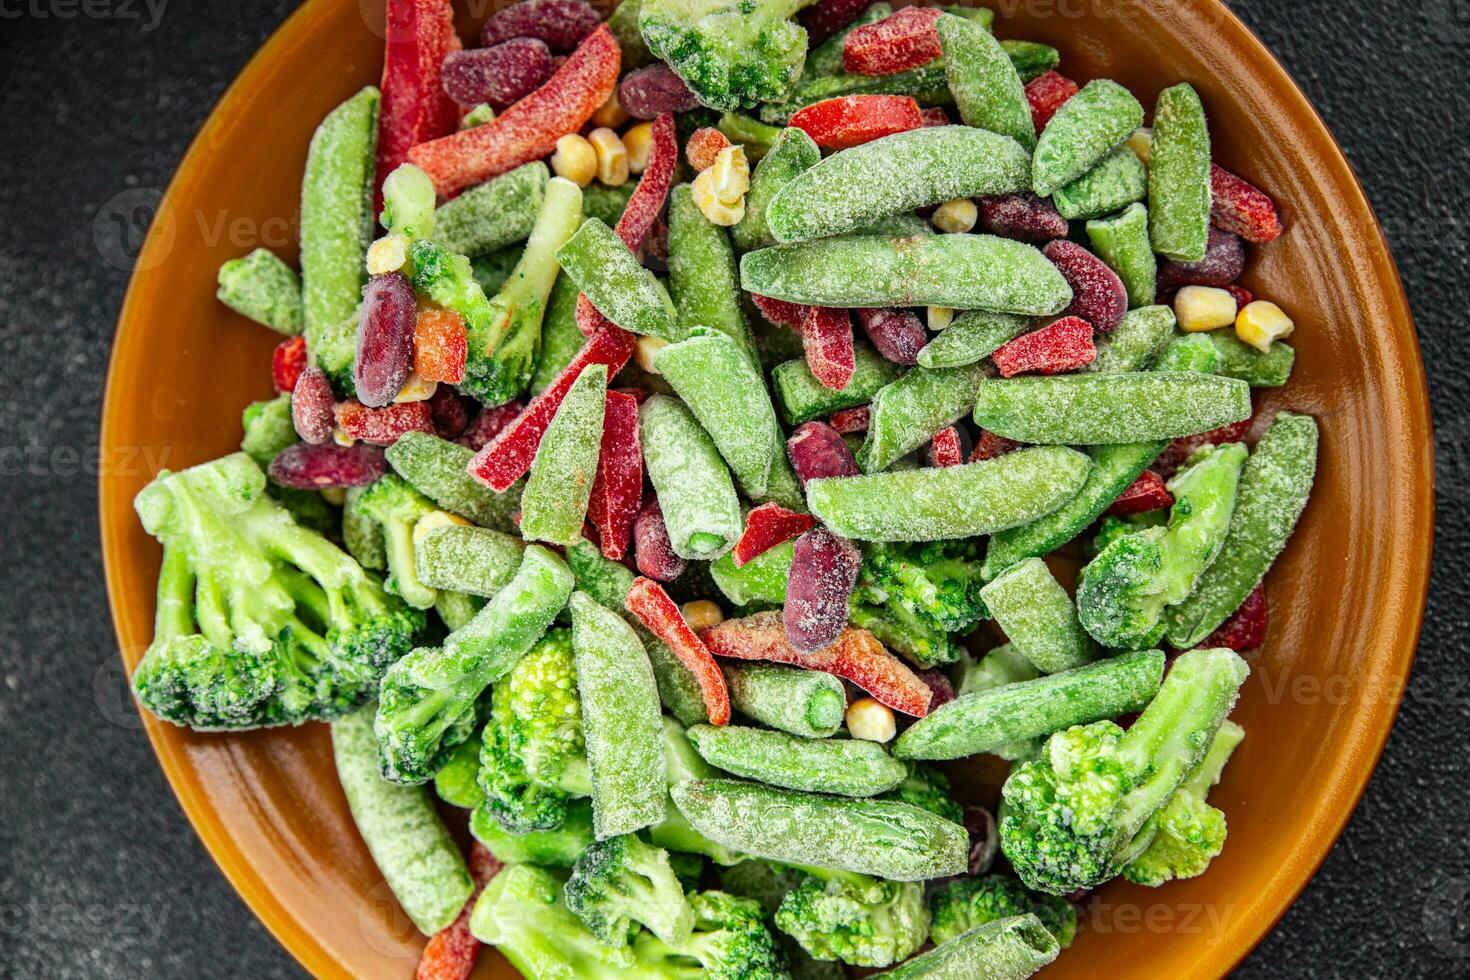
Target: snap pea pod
x=265 y=289
x=907 y=413
x=953 y=502
x=697 y=495
x=1097 y=409
x=893 y=175
x=1004 y=949
x=1273 y=491
x=500 y=634
x=843 y=766
x=1179 y=175
x=475 y=560
x=808 y=703
x=875 y=837
x=558 y=848
x=791 y=154
x=1136 y=343
x=964 y=272
x=458 y=782
x=621 y=720
x=1031 y=58
x=760 y=581
x=1122 y=242
x=1038 y=617
x=987 y=90
x=1259 y=370
x=972 y=337
x=801 y=397
x=554 y=503
x=612 y=278
x=623 y=22
x=703 y=280
x=1112 y=185
x=561 y=338
x=497 y=213
x=436 y=468
x=1088 y=126
x=409 y=843
x=408 y=203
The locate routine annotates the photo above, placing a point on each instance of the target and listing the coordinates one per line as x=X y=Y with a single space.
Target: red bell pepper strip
x=287 y=363
x=451 y=952
x=529 y=129
x=1061 y=345
x=383 y=426
x=651 y=604
x=826 y=336
x=851 y=420
x=856 y=655
x=1246 y=627
x=1239 y=206
x=946 y=449
x=767 y=526
x=617 y=491
x=1045 y=94
x=904 y=39
x=836 y=124
x=414 y=108
x=1181 y=449
x=1144 y=494
x=780 y=312
x=507 y=457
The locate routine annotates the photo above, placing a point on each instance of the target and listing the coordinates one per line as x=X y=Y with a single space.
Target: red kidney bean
x=816 y=450
x=562 y=24
x=650 y=92
x=488 y=423
x=823 y=573
x=308 y=467
x=311 y=406
x=653 y=552
x=449 y=411
x=1022 y=216
x=1098 y=295
x=384 y=339
x=501 y=76
x=1223 y=263
x=939 y=683
x=898 y=334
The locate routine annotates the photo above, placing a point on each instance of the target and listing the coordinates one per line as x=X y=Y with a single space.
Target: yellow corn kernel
x=387 y=254
x=435 y=519
x=871 y=721
x=638 y=140
x=1200 y=308
x=612 y=156
x=336 y=496
x=1142 y=143
x=645 y=352
x=610 y=113
x=1262 y=322
x=478 y=116
x=415 y=389
x=955 y=217
x=341 y=438
x=723 y=213
x=574 y=159
x=701 y=614
x=730 y=176
x=939 y=317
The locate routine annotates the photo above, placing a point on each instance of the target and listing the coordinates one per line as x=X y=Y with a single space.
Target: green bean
x=265 y=289
x=1031 y=58
x=1004 y=949
x=801 y=397
x=1112 y=185
x=1242 y=361
x=754 y=135
x=475 y=560
x=561 y=338
x=558 y=848
x=612 y=278
x=495 y=214
x=1179 y=175
x=603 y=579
x=842 y=766
x=875 y=837
x=925 y=84
x=502 y=632
x=953 y=502
x=1088 y=126
x=436 y=468
x=1136 y=343
x=760 y=581
x=402 y=830
x=621 y=720
x=782 y=487
x=1122 y=242
x=987 y=90
x=1274 y=487
x=857 y=185
x=703 y=279
x=697 y=495
x=958 y=271
x=809 y=703
x=791 y=154
x=1097 y=409
x=907 y=413
x=554 y=503
x=1038 y=617
x=972 y=337
x=607 y=203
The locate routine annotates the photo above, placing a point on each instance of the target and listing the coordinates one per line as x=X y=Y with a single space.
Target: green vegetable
x=361 y=535
x=456 y=609
x=436 y=468
x=615 y=282
x=624 y=23
x=1031 y=58
x=605 y=203
x=905 y=414
x=1122 y=242
x=703 y=280
x=554 y=504
x=1088 y=126
x=621 y=883
x=792 y=153
x=395 y=506
x=523 y=913
x=490 y=216
x=561 y=338
x=557 y=848
x=1006 y=949
x=493 y=269
x=838 y=915
x=972 y=337
x=846 y=767
x=808 y=703
x=754 y=135
x=1240 y=360
x=408 y=202
x=730 y=54
x=987 y=89
x=268 y=429
x=1038 y=616
x=674 y=833
x=912 y=597
x=963 y=904
x=1137 y=342
x=475 y=560
x=694 y=487
x=1118 y=181
x=760 y=581
x=458 y=782
x=729 y=942
x=928 y=789
x=801 y=397
x=1179 y=175
x=265 y=289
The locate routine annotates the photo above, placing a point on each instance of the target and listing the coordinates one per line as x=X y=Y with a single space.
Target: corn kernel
x=701 y=614
x=871 y=721
x=574 y=159
x=341 y=438
x=1142 y=143
x=638 y=140
x=478 y=116
x=387 y=254
x=1201 y=308
x=730 y=176
x=723 y=213
x=612 y=156
x=415 y=389
x=955 y=217
x=645 y=352
x=1262 y=322
x=435 y=519
x=939 y=317
x=611 y=112
x=336 y=496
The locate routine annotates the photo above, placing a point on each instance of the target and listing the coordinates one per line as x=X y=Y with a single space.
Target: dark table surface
x=101 y=875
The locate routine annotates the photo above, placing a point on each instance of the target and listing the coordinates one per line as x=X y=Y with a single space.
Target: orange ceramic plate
x=1346 y=600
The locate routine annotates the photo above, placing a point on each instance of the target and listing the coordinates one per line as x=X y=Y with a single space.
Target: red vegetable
x=826 y=336
x=654 y=90
x=1046 y=93
x=1223 y=263
x=1024 y=216
x=562 y=24
x=311 y=406
x=903 y=40
x=507 y=457
x=653 y=552
x=818 y=451
x=1181 y=449
x=939 y=683
x=991 y=446
x=440 y=346
x=489 y=422
x=617 y=490
x=850 y=120
x=450 y=411
x=934 y=115
x=1246 y=627
x=898 y=334
x=856 y=655
x=450 y=953
x=1239 y=206
x=1143 y=495
x=824 y=569
x=1098 y=295
x=501 y=75
x=704 y=146
x=826 y=17
x=1061 y=345
x=651 y=604
x=385 y=337
x=287 y=363
x=767 y=526
x=1242 y=295
x=529 y=129
x=414 y=107
x=947 y=448
x=383 y=426
x=307 y=467
x=851 y=420
x=780 y=312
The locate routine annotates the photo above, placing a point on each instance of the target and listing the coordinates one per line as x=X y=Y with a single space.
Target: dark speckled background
x=100 y=874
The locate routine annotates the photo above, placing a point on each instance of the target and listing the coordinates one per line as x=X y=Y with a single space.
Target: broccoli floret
x=1124 y=591
x=764 y=881
x=1189 y=833
x=838 y=915
x=967 y=903
x=522 y=913
x=396 y=507
x=619 y=883
x=558 y=848
x=532 y=758
x=729 y=942
x=260 y=621
x=731 y=53
x=361 y=535
x=900 y=630
x=913 y=596
x=927 y=788
x=1079 y=813
x=268 y=429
